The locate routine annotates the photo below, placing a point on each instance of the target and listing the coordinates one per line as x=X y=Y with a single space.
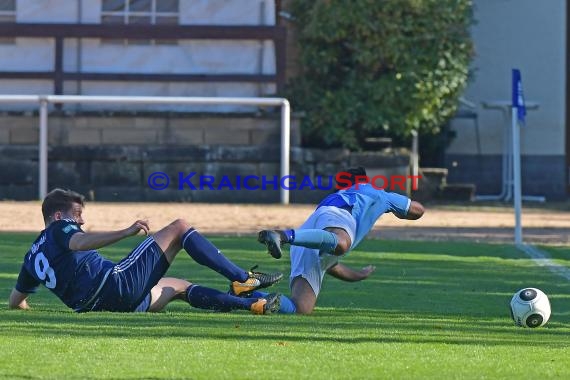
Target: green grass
x=431 y=311
x=559 y=255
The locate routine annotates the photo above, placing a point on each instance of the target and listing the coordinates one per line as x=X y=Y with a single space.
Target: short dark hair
x=349 y=175
x=60 y=200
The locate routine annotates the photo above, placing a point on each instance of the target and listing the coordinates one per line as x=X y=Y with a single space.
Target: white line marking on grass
x=542 y=259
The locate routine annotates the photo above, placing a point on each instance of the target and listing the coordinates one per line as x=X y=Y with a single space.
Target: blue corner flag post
x=518 y=113
x=518 y=97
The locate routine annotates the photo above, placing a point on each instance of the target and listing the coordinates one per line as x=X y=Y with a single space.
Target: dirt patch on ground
x=485 y=224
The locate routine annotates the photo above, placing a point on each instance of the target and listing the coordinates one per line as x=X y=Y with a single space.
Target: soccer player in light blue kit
x=339 y=224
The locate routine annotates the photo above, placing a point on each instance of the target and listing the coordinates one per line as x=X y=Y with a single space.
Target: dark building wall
x=540 y=174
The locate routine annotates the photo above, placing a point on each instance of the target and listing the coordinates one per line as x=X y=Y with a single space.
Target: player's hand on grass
x=367 y=271
x=139 y=225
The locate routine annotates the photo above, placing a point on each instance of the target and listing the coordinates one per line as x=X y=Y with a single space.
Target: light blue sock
x=287 y=304
x=322 y=240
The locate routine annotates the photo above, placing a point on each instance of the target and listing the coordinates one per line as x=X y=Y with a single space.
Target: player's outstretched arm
x=95 y=240
x=18 y=300
x=344 y=273
x=415 y=211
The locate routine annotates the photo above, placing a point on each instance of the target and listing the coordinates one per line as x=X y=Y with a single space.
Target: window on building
x=7 y=15
x=145 y=12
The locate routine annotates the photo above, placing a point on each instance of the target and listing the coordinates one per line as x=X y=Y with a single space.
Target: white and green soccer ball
x=530 y=307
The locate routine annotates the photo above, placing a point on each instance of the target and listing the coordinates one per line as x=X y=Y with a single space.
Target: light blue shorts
x=310 y=263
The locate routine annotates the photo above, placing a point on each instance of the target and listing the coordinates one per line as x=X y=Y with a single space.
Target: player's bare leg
x=169 y=238
x=343 y=243
x=180 y=235
x=167 y=290
x=303 y=295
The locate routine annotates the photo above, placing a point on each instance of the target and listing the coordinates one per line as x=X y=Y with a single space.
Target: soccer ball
x=530 y=307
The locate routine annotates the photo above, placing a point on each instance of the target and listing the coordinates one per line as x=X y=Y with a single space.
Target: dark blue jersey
x=74 y=276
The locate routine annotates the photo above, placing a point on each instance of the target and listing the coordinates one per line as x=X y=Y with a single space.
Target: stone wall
x=134 y=129
x=121 y=173
x=110 y=158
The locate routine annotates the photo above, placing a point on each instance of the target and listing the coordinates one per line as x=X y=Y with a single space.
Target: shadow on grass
x=343 y=326
x=535 y=235
x=452 y=293
x=449 y=248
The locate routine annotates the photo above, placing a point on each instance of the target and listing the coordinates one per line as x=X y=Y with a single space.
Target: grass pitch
x=430 y=311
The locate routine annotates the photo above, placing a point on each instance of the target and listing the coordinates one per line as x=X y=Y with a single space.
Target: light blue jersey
x=367 y=205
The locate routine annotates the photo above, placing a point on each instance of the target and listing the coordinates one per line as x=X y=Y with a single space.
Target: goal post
x=45 y=100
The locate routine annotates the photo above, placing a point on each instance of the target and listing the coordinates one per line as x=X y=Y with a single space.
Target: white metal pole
x=285 y=147
x=43 y=146
x=415 y=163
x=108 y=99
x=44 y=100
x=516 y=175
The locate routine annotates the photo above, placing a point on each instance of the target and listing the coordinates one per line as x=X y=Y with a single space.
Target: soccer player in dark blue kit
x=65 y=260
x=339 y=223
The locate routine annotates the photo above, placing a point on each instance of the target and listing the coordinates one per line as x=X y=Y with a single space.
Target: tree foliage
x=379 y=67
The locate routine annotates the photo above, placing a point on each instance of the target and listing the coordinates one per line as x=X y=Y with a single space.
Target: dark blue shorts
x=128 y=286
